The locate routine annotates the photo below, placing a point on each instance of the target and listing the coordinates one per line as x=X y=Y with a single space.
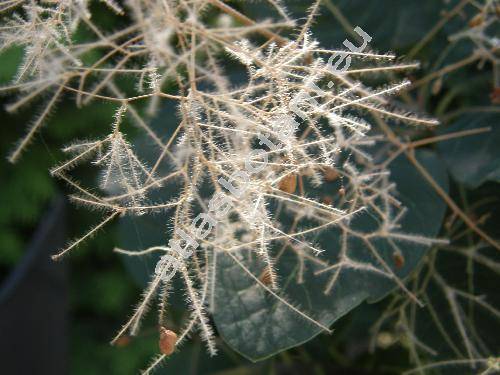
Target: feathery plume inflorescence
x=305 y=118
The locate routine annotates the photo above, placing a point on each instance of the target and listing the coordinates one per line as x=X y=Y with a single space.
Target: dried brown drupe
x=167 y=341
x=288 y=184
x=266 y=277
x=330 y=174
x=399 y=260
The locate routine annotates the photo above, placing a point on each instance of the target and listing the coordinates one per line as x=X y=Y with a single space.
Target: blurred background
x=58 y=318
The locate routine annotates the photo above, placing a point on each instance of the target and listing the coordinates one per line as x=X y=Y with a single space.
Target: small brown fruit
x=265 y=277
x=122 y=341
x=495 y=96
x=167 y=341
x=327 y=200
x=330 y=174
x=477 y=20
x=288 y=184
x=399 y=260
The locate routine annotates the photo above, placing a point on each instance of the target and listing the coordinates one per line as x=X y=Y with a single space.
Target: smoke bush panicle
x=303 y=116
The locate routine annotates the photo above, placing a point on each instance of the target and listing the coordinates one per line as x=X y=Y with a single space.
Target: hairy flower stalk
x=295 y=124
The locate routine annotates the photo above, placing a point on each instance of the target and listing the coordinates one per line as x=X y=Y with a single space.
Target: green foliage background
x=102 y=289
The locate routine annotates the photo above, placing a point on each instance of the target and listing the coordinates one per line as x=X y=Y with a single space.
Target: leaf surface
x=258 y=325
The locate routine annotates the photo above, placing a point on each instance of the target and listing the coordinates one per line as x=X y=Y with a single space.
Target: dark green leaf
x=258 y=325
x=473 y=160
